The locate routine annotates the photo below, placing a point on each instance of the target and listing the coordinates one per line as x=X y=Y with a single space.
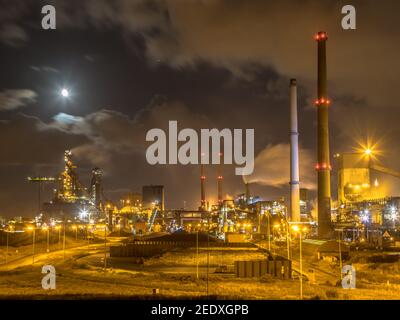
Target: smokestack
x=219 y=181
x=247 y=185
x=323 y=166
x=294 y=155
x=202 y=186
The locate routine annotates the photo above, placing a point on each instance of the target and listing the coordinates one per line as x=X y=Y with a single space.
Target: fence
x=280 y=268
x=151 y=248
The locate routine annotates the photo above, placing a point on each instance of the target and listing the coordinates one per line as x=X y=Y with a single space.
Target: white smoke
x=272 y=167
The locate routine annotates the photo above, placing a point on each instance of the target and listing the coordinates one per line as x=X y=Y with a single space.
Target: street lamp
x=297 y=230
x=197 y=254
x=59 y=236
x=64 y=243
x=87 y=236
x=287 y=238
x=7 y=234
x=33 y=243
x=105 y=246
x=268 y=233
x=48 y=242
x=340 y=252
x=76 y=232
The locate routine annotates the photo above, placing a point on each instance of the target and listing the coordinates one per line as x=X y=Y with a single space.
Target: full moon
x=65 y=93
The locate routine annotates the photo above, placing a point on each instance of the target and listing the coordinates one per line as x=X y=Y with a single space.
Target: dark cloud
x=23 y=143
x=14 y=99
x=13 y=35
x=274 y=34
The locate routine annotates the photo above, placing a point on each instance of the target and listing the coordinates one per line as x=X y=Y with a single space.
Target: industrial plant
x=362 y=213
x=105 y=235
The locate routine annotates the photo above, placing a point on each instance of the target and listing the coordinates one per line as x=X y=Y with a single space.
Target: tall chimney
x=294 y=155
x=323 y=166
x=219 y=180
x=247 y=184
x=202 y=186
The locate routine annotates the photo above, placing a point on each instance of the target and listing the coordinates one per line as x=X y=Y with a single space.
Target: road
x=56 y=257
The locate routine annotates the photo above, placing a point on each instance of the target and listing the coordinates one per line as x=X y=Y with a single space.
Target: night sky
x=134 y=65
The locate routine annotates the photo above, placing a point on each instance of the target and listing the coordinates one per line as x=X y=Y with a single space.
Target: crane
x=39 y=181
x=152 y=219
x=384 y=170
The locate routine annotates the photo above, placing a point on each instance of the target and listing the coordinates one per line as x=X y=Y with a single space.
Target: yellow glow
x=368 y=149
x=58 y=227
x=30 y=228
x=295 y=228
x=45 y=228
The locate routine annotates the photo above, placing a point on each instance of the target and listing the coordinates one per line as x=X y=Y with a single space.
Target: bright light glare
x=65 y=93
x=368 y=152
x=83 y=214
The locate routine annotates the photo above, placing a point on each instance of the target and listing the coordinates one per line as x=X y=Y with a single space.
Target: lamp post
x=87 y=236
x=7 y=234
x=105 y=246
x=268 y=234
x=197 y=254
x=59 y=236
x=76 y=232
x=64 y=243
x=288 y=239
x=33 y=243
x=48 y=242
x=297 y=230
x=208 y=253
x=340 y=254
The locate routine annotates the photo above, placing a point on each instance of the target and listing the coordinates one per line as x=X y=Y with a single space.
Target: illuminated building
x=153 y=196
x=72 y=200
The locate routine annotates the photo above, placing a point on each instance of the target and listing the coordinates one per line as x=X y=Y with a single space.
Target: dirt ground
x=82 y=276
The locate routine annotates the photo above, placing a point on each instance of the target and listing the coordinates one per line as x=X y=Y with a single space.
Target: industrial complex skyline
x=166 y=149
x=133 y=66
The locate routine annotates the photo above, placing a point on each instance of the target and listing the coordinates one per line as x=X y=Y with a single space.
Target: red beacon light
x=323 y=101
x=321 y=36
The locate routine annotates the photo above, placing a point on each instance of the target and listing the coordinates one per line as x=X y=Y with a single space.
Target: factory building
x=354 y=183
x=72 y=201
x=305 y=205
x=153 y=196
x=133 y=199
